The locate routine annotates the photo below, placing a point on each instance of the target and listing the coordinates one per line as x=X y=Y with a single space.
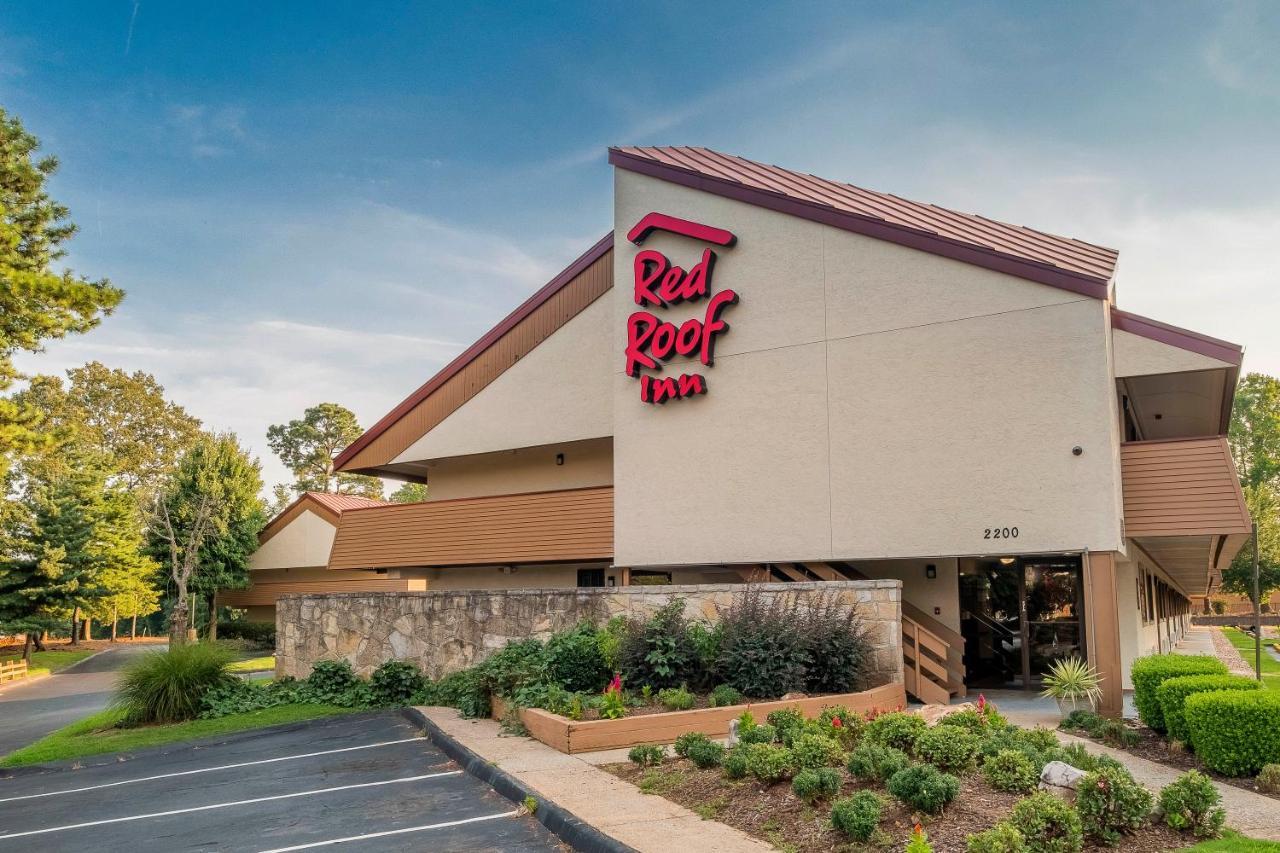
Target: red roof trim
x=870 y=226
x=525 y=309
x=1186 y=339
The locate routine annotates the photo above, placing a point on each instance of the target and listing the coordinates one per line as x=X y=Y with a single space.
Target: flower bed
x=570 y=736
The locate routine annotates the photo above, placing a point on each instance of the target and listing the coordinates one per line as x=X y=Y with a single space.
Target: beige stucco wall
x=305 y=541
x=526 y=469
x=559 y=392
x=1139 y=356
x=870 y=401
x=942 y=592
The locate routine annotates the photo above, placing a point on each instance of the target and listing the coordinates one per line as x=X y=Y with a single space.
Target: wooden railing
x=11 y=670
x=925 y=671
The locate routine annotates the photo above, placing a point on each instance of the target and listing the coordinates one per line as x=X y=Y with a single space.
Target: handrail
x=929 y=664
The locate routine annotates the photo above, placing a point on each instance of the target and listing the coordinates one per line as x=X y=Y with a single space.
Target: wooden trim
x=1182 y=487
x=1102 y=628
x=560 y=300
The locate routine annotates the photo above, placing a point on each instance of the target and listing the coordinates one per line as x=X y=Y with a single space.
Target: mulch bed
x=1154 y=747
x=774 y=814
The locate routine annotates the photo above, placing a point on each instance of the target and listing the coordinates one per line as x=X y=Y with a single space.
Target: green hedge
x=1149 y=672
x=1173 y=693
x=1235 y=732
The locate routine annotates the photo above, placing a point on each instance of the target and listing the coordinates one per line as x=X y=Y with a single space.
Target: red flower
x=835 y=721
x=615 y=686
x=982 y=703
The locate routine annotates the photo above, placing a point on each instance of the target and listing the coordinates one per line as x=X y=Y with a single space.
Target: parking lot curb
x=570 y=829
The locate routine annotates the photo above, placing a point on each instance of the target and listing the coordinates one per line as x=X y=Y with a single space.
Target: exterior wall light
x=931 y=571
x=559 y=458
x=1077 y=450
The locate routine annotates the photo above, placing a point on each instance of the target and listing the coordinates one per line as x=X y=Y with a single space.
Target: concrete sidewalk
x=650 y=824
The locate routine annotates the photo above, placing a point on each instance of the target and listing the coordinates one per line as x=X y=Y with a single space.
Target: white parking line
x=391 y=832
x=209 y=769
x=226 y=805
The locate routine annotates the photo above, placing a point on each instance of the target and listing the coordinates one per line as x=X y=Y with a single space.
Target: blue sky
x=327 y=201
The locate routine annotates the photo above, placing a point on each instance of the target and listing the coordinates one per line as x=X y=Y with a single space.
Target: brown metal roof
x=341 y=503
x=538 y=527
x=324 y=504
x=1059 y=261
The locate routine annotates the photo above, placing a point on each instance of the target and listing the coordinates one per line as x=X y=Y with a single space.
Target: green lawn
x=96 y=735
x=1270 y=666
x=52 y=660
x=1230 y=842
x=254 y=664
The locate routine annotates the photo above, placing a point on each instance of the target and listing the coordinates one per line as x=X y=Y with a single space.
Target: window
x=590 y=577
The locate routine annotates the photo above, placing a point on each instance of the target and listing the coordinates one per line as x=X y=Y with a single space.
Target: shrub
x=816 y=784
x=647 y=754
x=518 y=663
x=858 y=816
x=836 y=641
x=842 y=724
x=660 y=651
x=735 y=762
x=330 y=681
x=897 y=729
x=1149 y=672
x=725 y=695
x=948 y=747
x=1047 y=824
x=872 y=762
x=924 y=787
x=1219 y=606
x=167 y=687
x=686 y=740
x=1235 y=732
x=676 y=699
x=239 y=696
x=1010 y=770
x=1268 y=780
x=1192 y=802
x=706 y=753
x=814 y=750
x=757 y=734
x=1004 y=837
x=1172 y=695
x=395 y=683
x=968 y=719
x=574 y=660
x=1038 y=738
x=788 y=722
x=761 y=653
x=464 y=690
x=769 y=763
x=1111 y=804
x=1081 y=720
x=1116 y=733
x=260 y=634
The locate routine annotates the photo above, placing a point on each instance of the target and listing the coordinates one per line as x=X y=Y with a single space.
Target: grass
x=97 y=734
x=52 y=660
x=1270 y=666
x=1231 y=842
x=253 y=664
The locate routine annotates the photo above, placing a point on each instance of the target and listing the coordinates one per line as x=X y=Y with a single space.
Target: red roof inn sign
x=660 y=284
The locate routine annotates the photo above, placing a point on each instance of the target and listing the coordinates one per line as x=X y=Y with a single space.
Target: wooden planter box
x=570 y=736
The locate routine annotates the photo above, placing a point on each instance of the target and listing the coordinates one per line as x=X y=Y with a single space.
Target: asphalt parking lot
x=363 y=782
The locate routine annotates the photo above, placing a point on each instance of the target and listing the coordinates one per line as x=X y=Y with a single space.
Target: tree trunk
x=213 y=616
x=75 y=625
x=88 y=630
x=39 y=640
x=115 y=623
x=133 y=628
x=178 y=619
x=26 y=649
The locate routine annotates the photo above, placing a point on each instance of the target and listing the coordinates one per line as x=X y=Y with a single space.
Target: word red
x=652 y=341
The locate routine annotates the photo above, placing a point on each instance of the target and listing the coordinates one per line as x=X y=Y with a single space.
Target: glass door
x=1053 y=614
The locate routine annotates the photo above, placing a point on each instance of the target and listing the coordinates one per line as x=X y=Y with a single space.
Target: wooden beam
x=824 y=572
x=791 y=572
x=1102 y=628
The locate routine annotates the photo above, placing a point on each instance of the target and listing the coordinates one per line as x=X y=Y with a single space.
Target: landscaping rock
x=934 y=714
x=795 y=694
x=1061 y=779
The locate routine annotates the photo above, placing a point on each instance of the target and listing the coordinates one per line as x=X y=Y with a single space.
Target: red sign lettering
x=658 y=283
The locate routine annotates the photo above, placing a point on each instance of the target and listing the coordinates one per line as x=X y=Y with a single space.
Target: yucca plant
x=166 y=687
x=1074 y=683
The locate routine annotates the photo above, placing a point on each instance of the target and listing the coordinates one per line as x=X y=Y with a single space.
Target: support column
x=1102 y=628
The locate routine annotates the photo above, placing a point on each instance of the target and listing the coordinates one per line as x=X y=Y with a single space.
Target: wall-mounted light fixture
x=930 y=571
x=559 y=458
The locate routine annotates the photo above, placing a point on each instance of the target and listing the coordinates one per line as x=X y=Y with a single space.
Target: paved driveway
x=362 y=782
x=30 y=711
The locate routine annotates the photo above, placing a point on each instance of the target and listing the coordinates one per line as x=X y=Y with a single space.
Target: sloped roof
x=1059 y=261
x=324 y=504
x=340 y=503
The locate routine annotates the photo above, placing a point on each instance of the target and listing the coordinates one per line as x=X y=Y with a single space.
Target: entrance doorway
x=1018 y=615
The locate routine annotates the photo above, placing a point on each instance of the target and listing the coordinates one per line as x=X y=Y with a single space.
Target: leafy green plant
x=676 y=699
x=574 y=660
x=842 y=724
x=647 y=754
x=167 y=687
x=1011 y=770
x=1004 y=837
x=763 y=733
x=1047 y=824
x=1111 y=804
x=660 y=651
x=1149 y=672
x=858 y=816
x=1082 y=721
x=769 y=763
x=948 y=747
x=706 y=753
x=529 y=804
x=1192 y=802
x=684 y=741
x=897 y=729
x=813 y=784
x=1038 y=738
x=464 y=690
x=788 y=722
x=1173 y=692
x=613 y=706
x=924 y=787
x=1235 y=732
x=968 y=719
x=395 y=682
x=815 y=750
x=518 y=663
x=735 y=762
x=1268 y=780
x=873 y=762
x=1072 y=679
x=919 y=841
x=330 y=681
x=725 y=695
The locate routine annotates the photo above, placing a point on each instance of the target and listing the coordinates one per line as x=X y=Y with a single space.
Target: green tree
x=36 y=302
x=207 y=521
x=410 y=493
x=308 y=446
x=1255 y=447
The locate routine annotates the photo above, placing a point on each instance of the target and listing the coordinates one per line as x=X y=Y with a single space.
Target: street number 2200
x=1000 y=533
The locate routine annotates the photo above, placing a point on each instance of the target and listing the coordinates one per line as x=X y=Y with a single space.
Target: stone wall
x=447 y=631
